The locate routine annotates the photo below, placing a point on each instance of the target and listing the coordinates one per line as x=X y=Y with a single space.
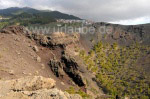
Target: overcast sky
x=115 y=11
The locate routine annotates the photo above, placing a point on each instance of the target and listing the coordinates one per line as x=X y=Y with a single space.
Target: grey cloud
x=106 y=10
x=98 y=10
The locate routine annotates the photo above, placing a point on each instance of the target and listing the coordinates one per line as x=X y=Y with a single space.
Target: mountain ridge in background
x=16 y=11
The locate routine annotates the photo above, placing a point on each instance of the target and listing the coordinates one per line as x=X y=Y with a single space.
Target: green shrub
x=71 y=90
x=144 y=97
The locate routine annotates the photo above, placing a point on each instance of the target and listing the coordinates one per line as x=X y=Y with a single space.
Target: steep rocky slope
x=122 y=34
x=23 y=54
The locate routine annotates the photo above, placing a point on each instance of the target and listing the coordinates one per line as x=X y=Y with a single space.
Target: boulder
x=35 y=48
x=38 y=59
x=36 y=87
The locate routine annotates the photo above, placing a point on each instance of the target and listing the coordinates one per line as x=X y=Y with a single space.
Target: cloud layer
x=115 y=11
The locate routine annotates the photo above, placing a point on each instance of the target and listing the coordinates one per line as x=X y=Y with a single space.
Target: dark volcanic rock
x=71 y=68
x=56 y=68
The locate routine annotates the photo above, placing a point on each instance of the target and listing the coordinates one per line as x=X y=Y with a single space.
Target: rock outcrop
x=56 y=68
x=71 y=67
x=63 y=39
x=32 y=88
x=67 y=66
x=15 y=30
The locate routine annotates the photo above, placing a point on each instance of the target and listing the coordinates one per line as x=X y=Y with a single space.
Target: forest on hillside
x=115 y=68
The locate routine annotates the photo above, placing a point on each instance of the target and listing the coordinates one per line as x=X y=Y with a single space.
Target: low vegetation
x=72 y=90
x=3 y=24
x=115 y=69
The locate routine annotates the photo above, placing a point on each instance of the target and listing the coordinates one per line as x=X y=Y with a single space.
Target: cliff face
x=122 y=34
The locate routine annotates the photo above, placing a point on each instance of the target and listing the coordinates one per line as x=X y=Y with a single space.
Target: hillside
x=28 y=16
x=9 y=12
x=23 y=54
x=120 y=59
